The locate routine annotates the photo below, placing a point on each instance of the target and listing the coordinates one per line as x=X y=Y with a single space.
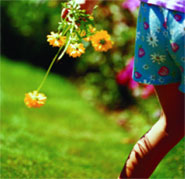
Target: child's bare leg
x=162 y=137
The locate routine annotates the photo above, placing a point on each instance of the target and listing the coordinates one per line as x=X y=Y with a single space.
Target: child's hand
x=88 y=5
x=64 y=13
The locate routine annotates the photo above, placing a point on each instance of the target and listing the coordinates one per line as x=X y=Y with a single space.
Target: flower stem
x=69 y=39
x=62 y=54
x=54 y=59
x=50 y=66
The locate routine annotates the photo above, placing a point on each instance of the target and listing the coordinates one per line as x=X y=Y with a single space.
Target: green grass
x=67 y=137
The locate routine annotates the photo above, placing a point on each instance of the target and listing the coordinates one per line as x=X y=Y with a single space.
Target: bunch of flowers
x=75 y=28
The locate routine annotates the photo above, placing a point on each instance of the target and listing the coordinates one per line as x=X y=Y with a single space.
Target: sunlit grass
x=66 y=138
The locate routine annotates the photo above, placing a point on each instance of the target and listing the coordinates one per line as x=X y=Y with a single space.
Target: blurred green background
x=89 y=123
x=25 y=25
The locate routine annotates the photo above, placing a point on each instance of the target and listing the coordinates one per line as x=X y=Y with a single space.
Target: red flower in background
x=147 y=91
x=131 y=5
x=124 y=77
x=133 y=84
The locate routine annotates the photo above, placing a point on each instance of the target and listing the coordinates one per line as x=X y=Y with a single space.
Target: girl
x=159 y=60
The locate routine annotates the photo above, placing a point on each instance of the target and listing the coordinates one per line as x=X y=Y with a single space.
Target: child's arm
x=88 y=5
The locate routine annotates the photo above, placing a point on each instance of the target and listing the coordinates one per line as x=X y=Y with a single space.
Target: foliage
x=26 y=24
x=99 y=71
x=95 y=73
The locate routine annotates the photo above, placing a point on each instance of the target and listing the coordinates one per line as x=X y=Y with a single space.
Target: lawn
x=68 y=137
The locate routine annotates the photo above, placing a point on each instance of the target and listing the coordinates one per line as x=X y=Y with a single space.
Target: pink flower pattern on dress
x=159 y=48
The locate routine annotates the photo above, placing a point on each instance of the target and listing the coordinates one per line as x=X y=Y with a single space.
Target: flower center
x=77 y=47
x=102 y=41
x=57 y=37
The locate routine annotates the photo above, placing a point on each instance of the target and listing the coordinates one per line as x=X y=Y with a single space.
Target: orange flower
x=101 y=41
x=34 y=99
x=91 y=17
x=75 y=50
x=56 y=40
x=82 y=33
x=92 y=30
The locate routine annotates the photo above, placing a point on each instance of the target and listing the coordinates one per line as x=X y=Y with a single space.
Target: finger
x=64 y=13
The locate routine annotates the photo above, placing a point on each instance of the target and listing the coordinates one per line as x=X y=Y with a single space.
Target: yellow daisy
x=56 y=40
x=101 y=41
x=34 y=99
x=75 y=50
